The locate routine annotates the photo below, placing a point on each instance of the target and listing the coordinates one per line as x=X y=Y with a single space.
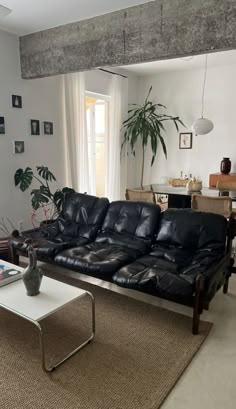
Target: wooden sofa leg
x=15 y=259
x=197 y=309
x=230 y=270
x=226 y=285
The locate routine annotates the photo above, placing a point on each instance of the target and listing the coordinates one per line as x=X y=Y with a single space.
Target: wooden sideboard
x=215 y=177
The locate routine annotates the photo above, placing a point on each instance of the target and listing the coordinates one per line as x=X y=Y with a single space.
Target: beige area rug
x=137 y=356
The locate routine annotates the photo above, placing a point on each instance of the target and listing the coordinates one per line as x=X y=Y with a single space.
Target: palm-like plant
x=147 y=123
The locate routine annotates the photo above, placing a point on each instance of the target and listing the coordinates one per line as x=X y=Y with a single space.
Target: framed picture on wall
x=18 y=146
x=16 y=101
x=2 y=125
x=48 y=128
x=35 y=127
x=185 y=140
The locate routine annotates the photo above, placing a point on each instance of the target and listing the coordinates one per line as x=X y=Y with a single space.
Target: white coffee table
x=53 y=296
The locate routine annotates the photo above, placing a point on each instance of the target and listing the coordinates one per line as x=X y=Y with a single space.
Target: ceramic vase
x=225 y=166
x=32 y=275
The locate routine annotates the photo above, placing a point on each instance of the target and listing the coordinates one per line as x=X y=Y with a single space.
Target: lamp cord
x=204 y=84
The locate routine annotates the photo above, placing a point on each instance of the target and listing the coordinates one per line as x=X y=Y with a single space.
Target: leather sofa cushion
x=81 y=218
x=178 y=255
x=48 y=248
x=191 y=229
x=155 y=275
x=97 y=258
x=131 y=220
x=82 y=215
x=166 y=278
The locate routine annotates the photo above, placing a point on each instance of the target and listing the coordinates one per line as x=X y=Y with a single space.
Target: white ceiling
x=29 y=16
x=185 y=63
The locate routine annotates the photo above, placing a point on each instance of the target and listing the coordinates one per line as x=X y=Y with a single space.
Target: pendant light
x=203 y=126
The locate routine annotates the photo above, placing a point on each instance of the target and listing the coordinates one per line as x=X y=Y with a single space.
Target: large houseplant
x=43 y=195
x=145 y=122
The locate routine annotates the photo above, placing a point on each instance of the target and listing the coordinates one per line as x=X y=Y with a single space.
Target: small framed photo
x=16 y=101
x=2 y=125
x=48 y=128
x=185 y=140
x=19 y=146
x=35 y=127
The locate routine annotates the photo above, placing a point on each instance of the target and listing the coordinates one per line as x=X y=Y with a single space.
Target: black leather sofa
x=180 y=254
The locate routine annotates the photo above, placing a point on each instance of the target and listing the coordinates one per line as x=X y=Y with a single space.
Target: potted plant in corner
x=147 y=124
x=42 y=197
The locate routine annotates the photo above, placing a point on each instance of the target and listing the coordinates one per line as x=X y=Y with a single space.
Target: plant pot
x=46 y=222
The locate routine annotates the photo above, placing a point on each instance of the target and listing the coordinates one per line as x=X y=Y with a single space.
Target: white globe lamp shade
x=202 y=126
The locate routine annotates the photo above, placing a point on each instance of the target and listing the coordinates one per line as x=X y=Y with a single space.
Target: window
x=97 y=130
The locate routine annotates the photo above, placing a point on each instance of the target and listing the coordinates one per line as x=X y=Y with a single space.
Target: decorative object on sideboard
x=18 y=146
x=178 y=182
x=225 y=166
x=203 y=126
x=146 y=124
x=194 y=185
x=32 y=274
x=185 y=140
x=16 y=101
x=35 y=127
x=48 y=128
x=2 y=125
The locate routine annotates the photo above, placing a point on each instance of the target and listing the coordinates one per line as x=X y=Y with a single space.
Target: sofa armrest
x=214 y=277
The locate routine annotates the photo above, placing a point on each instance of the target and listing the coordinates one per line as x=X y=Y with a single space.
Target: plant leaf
x=23 y=178
x=39 y=196
x=45 y=173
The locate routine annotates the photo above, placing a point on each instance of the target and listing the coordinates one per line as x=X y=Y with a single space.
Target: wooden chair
x=225 y=185
x=140 y=195
x=220 y=205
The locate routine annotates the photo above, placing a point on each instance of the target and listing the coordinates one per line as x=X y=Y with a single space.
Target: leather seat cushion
x=46 y=248
x=97 y=258
x=170 y=272
x=157 y=276
x=180 y=256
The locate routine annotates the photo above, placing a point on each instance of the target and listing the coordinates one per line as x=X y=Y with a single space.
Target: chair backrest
x=188 y=228
x=219 y=205
x=82 y=215
x=226 y=185
x=130 y=224
x=140 y=195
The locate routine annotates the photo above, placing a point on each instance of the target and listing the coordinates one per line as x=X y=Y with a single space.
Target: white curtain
x=116 y=163
x=75 y=133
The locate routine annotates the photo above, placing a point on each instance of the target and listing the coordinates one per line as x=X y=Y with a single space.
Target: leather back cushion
x=133 y=219
x=82 y=214
x=189 y=228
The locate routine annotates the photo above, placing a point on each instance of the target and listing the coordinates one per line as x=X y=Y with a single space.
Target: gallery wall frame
x=185 y=140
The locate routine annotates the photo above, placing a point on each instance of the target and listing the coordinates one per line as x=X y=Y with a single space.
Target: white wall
x=41 y=100
x=181 y=92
